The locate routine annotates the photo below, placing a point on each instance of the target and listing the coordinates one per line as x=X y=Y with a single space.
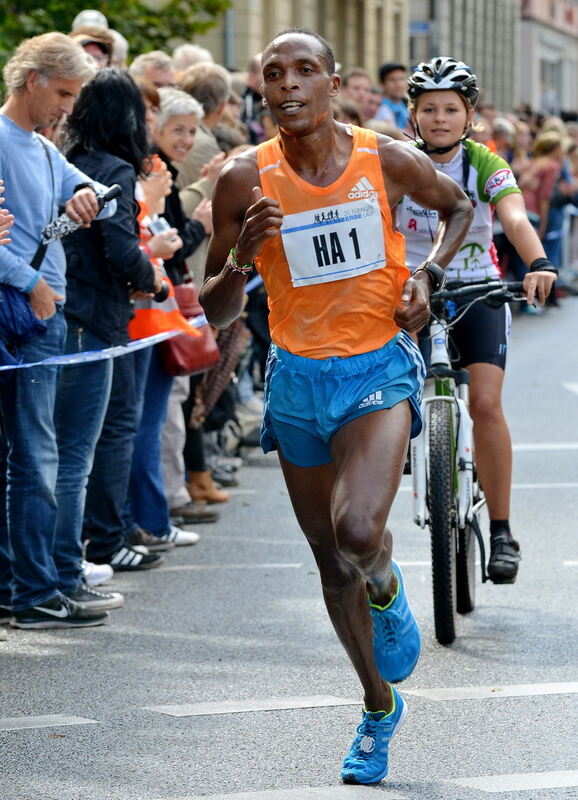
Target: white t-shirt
x=490 y=178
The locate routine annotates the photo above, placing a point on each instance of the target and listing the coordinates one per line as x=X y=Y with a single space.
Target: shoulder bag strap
x=41 y=251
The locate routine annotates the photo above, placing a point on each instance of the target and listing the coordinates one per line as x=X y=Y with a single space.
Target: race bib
x=334 y=243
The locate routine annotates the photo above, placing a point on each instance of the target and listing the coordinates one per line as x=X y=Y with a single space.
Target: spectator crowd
x=107 y=465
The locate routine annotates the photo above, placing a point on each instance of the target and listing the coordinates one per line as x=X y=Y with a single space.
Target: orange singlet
x=334 y=274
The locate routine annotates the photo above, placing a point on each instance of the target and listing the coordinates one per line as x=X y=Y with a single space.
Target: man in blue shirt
x=43 y=77
x=393 y=108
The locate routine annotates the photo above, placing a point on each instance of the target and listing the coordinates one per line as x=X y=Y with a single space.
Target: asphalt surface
x=239 y=619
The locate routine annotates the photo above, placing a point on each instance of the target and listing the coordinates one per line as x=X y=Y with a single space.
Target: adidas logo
x=373 y=400
x=362 y=188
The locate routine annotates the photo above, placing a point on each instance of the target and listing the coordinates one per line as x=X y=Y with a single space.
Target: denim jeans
x=82 y=398
x=107 y=490
x=28 y=470
x=148 y=500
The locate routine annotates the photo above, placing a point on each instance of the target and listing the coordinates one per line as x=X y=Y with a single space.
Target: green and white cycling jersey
x=489 y=178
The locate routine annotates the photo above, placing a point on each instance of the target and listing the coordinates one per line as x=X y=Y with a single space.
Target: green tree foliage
x=146 y=28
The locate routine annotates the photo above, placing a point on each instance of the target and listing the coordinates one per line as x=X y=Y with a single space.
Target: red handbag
x=185 y=355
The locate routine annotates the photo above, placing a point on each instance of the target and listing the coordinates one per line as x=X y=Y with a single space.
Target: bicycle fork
x=464 y=460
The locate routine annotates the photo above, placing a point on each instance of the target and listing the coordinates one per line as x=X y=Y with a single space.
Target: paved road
x=236 y=624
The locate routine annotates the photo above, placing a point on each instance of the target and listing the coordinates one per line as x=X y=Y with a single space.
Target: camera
x=159 y=225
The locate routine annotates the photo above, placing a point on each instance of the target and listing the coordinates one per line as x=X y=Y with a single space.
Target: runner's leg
x=342 y=508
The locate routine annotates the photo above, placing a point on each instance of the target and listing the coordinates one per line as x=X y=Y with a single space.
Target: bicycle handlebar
x=498 y=290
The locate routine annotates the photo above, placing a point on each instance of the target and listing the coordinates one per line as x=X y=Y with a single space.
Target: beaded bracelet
x=233 y=264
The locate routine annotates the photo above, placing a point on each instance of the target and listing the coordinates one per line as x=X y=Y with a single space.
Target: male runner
x=312 y=208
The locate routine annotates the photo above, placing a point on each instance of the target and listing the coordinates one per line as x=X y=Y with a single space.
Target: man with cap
x=97 y=41
x=89 y=16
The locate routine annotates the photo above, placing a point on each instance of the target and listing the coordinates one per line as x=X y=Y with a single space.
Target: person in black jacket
x=96 y=408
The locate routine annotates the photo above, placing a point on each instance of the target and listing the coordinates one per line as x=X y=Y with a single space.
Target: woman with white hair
x=176 y=125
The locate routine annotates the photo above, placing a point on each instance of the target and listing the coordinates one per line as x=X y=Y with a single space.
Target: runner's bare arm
x=408 y=171
x=243 y=219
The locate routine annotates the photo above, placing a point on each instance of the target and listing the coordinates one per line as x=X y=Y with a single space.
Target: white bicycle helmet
x=441 y=73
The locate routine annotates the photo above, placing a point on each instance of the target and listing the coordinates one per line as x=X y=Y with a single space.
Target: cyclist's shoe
x=367 y=759
x=396 y=637
x=505 y=557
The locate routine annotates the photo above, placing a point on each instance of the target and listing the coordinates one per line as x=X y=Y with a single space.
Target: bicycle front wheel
x=442 y=518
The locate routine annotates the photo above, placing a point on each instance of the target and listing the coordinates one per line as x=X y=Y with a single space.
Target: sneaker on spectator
x=3 y=635
x=91 y=598
x=6 y=614
x=58 y=612
x=130 y=559
x=94 y=574
x=154 y=544
x=230 y=463
x=181 y=538
x=193 y=513
x=223 y=477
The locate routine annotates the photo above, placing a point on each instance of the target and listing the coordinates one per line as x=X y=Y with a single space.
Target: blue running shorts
x=307 y=399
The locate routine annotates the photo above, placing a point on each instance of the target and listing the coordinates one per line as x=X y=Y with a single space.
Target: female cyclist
x=443 y=94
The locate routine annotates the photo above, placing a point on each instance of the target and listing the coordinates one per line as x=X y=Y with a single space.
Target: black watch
x=436 y=273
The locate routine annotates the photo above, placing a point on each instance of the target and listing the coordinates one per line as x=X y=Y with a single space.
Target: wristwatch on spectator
x=436 y=274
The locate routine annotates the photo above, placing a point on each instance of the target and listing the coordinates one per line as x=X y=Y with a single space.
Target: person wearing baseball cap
x=89 y=17
x=97 y=41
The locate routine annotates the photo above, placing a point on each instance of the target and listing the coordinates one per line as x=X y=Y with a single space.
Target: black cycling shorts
x=480 y=337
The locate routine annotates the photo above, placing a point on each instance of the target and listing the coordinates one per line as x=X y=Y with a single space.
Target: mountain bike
x=447 y=496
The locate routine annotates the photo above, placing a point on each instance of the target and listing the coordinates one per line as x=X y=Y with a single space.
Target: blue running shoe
x=367 y=760
x=396 y=637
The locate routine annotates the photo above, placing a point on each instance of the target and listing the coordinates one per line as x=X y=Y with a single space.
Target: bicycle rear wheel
x=442 y=522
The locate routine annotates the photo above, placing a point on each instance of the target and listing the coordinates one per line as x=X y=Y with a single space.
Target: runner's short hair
x=51 y=55
x=328 y=53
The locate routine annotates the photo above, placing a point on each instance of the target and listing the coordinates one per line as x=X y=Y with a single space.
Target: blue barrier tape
x=109 y=352
x=120 y=350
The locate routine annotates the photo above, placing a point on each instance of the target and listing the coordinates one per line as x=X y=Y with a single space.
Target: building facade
x=483 y=33
x=363 y=33
x=550 y=55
